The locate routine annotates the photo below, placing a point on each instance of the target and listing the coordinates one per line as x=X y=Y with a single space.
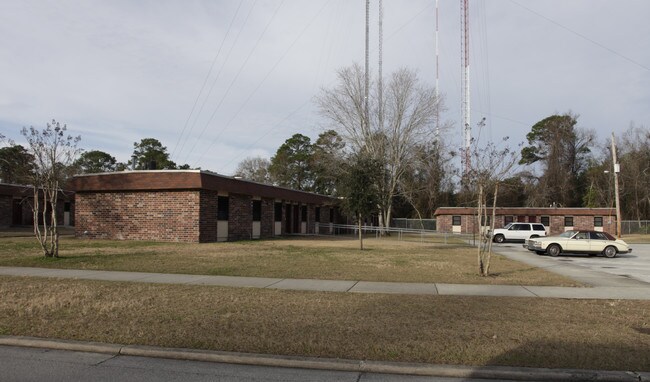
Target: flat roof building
x=556 y=219
x=193 y=206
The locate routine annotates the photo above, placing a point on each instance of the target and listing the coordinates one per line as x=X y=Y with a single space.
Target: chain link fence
x=425 y=224
x=635 y=227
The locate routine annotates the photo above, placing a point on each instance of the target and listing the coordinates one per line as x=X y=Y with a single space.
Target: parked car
x=518 y=232
x=590 y=242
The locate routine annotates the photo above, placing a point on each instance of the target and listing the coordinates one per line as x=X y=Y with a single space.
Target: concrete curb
x=401 y=368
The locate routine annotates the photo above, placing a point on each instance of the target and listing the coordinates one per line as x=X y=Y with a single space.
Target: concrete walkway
x=636 y=291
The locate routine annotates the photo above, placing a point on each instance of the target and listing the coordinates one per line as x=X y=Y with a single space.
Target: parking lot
x=634 y=266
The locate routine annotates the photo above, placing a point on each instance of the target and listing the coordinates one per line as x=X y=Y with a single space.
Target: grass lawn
x=590 y=334
x=317 y=258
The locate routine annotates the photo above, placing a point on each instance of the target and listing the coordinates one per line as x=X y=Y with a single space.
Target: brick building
x=193 y=206
x=16 y=203
x=557 y=220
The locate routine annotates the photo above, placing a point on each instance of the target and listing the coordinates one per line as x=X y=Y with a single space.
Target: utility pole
x=617 y=169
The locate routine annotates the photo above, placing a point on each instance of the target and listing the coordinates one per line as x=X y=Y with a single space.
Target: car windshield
x=507 y=226
x=567 y=234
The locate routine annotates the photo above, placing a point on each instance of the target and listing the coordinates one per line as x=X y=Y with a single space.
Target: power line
x=235 y=78
x=205 y=81
x=582 y=36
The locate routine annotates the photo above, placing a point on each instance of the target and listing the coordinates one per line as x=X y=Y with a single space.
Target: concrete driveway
x=631 y=269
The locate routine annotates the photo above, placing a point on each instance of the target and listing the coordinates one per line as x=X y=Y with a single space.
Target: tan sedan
x=589 y=242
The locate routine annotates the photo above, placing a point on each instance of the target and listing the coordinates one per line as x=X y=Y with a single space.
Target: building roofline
x=150 y=180
x=551 y=211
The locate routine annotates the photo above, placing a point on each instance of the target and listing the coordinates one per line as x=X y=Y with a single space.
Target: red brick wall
x=468 y=222
x=208 y=216
x=158 y=216
x=268 y=221
x=240 y=225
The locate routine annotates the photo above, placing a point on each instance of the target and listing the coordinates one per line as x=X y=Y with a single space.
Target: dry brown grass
x=591 y=334
x=317 y=258
x=636 y=238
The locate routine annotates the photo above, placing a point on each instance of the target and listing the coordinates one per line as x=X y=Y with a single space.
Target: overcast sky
x=119 y=71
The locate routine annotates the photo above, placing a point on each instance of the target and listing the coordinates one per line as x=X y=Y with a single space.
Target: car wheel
x=499 y=239
x=610 y=251
x=554 y=250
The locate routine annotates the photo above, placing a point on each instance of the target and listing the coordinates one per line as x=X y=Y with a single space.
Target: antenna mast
x=367 y=89
x=465 y=109
x=437 y=80
x=380 y=80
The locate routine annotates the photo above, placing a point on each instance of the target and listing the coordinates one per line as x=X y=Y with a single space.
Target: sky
x=218 y=81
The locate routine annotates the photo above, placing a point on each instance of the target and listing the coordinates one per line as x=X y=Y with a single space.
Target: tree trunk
x=478 y=218
x=486 y=271
x=360 y=234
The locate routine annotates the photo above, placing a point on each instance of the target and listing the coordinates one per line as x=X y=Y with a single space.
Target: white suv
x=518 y=232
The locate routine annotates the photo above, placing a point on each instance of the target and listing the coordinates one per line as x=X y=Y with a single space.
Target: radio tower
x=437 y=81
x=465 y=109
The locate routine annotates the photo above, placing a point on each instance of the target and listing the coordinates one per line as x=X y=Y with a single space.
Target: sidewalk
x=636 y=292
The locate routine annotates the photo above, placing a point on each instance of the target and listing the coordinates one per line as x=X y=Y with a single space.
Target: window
x=66 y=207
x=568 y=221
x=455 y=220
x=303 y=213
x=538 y=227
x=598 y=221
x=278 y=212
x=508 y=220
x=546 y=220
x=484 y=221
x=582 y=236
x=331 y=215
x=223 y=206
x=257 y=210
x=521 y=227
x=317 y=213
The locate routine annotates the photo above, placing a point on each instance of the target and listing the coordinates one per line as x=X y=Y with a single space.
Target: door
x=289 y=216
x=578 y=243
x=17 y=212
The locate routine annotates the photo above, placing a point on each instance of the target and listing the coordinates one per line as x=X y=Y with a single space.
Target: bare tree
x=634 y=158
x=53 y=152
x=490 y=166
x=409 y=112
x=255 y=169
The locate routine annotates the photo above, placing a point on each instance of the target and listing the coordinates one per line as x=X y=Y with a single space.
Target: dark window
x=317 y=214
x=66 y=207
x=538 y=227
x=568 y=221
x=331 y=215
x=598 y=221
x=303 y=213
x=223 y=205
x=257 y=210
x=278 y=212
x=485 y=220
x=521 y=227
x=545 y=220
x=508 y=219
x=455 y=220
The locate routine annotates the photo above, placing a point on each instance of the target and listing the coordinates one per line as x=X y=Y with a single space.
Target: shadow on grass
x=588 y=355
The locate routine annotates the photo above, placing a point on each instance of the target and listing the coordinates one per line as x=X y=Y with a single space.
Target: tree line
x=561 y=164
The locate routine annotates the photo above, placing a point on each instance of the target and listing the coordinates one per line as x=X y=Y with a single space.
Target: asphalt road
x=634 y=266
x=32 y=364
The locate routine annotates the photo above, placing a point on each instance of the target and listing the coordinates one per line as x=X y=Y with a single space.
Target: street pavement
x=54 y=360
